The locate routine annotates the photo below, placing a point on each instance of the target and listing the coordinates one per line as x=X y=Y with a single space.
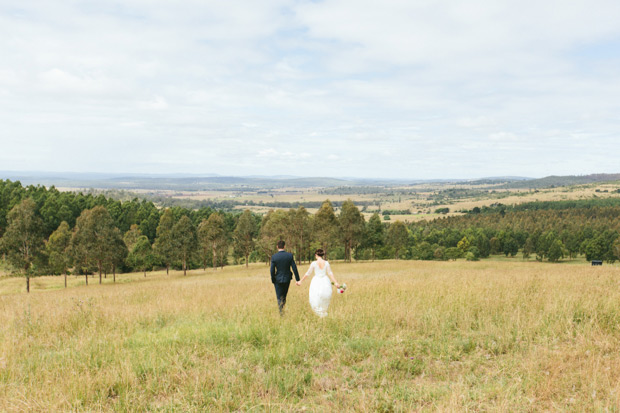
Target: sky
x=410 y=89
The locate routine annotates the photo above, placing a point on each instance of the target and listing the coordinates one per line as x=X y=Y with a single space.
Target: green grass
x=407 y=335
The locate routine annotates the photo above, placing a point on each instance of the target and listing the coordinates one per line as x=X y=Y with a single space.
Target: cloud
x=417 y=89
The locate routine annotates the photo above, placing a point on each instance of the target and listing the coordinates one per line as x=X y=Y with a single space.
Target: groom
x=281 y=264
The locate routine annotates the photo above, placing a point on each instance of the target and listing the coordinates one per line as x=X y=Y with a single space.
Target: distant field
x=408 y=335
x=422 y=200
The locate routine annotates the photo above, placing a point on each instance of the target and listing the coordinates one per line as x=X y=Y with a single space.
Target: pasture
x=422 y=200
x=406 y=336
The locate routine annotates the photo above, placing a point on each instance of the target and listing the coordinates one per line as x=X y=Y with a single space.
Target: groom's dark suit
x=281 y=275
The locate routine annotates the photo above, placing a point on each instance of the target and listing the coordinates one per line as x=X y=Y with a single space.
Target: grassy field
x=406 y=336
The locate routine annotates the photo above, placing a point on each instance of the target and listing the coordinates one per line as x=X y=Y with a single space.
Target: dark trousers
x=281 y=291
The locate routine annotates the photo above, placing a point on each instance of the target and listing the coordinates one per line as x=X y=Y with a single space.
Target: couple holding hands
x=282 y=262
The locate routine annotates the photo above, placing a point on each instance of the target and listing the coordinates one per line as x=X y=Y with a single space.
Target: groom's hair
x=281 y=244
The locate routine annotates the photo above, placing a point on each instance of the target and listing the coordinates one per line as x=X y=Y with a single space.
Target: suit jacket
x=281 y=264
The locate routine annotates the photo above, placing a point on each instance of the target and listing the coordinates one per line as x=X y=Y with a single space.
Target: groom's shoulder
x=281 y=254
x=287 y=255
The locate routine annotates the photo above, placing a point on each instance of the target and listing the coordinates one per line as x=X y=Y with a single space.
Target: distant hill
x=494 y=180
x=171 y=182
x=189 y=182
x=557 y=181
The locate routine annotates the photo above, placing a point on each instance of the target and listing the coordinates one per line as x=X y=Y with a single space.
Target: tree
x=397 y=237
x=300 y=231
x=616 y=249
x=275 y=226
x=95 y=239
x=184 y=240
x=375 y=234
x=58 y=250
x=594 y=249
x=528 y=247
x=511 y=246
x=544 y=244
x=326 y=228
x=454 y=253
x=212 y=234
x=473 y=254
x=119 y=252
x=556 y=251
x=244 y=235
x=23 y=240
x=132 y=236
x=223 y=250
x=495 y=246
x=141 y=256
x=164 y=243
x=352 y=227
x=423 y=251
x=463 y=245
x=483 y=244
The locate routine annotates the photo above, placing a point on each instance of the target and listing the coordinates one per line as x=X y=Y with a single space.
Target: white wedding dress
x=320 y=288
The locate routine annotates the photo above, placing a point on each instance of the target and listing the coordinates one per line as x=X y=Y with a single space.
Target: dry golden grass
x=406 y=336
x=415 y=203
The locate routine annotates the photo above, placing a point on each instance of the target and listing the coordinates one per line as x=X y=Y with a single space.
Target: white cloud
x=420 y=89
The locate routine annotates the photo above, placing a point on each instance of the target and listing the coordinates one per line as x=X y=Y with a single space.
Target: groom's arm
x=273 y=271
x=295 y=269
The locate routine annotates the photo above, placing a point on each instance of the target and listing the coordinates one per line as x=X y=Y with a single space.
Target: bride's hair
x=319 y=252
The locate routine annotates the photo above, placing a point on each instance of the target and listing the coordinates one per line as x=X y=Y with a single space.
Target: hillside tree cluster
x=47 y=231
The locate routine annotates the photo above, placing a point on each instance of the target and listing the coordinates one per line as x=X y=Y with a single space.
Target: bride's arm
x=306 y=274
x=331 y=275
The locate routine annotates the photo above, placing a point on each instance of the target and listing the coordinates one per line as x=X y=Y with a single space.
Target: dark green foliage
x=550 y=230
x=141 y=256
x=23 y=241
x=397 y=237
x=374 y=236
x=556 y=251
x=58 y=250
x=164 y=243
x=213 y=238
x=326 y=228
x=245 y=235
x=184 y=241
x=352 y=227
x=96 y=240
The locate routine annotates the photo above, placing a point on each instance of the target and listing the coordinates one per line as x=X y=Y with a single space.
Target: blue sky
x=391 y=89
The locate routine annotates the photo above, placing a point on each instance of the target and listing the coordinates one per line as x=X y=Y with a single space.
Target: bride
x=320 y=287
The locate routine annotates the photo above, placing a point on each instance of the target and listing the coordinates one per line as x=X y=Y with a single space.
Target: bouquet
x=342 y=288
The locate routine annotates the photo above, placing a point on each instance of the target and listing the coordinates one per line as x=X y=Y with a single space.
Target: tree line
x=46 y=231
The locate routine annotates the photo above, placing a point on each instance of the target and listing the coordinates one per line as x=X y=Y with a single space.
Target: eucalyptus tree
x=374 y=234
x=275 y=226
x=141 y=256
x=351 y=223
x=325 y=226
x=23 y=240
x=556 y=251
x=212 y=236
x=132 y=236
x=57 y=248
x=164 y=242
x=397 y=237
x=300 y=231
x=184 y=240
x=244 y=235
x=119 y=253
x=96 y=239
